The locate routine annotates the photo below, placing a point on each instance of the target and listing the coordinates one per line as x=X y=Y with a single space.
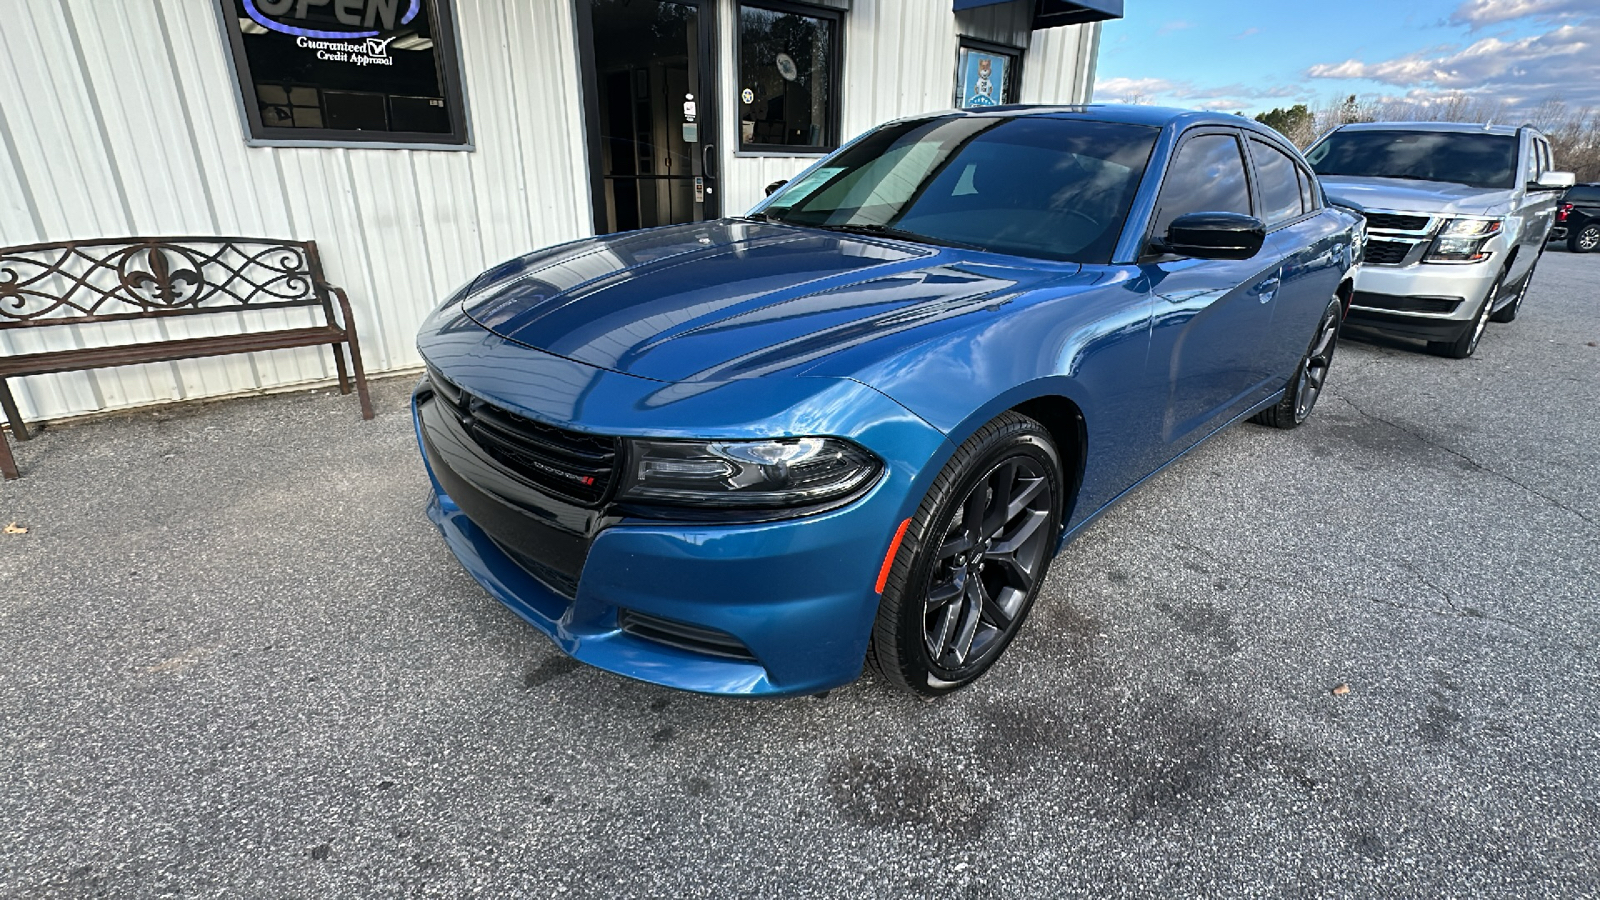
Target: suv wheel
x=972 y=560
x=1585 y=239
x=1508 y=313
x=1467 y=344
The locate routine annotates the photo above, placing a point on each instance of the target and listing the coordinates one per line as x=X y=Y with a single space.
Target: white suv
x=1457 y=216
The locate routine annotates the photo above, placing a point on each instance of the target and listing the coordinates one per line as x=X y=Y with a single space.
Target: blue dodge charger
x=747 y=456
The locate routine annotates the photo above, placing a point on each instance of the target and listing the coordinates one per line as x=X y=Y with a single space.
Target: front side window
x=1206 y=175
x=788 y=77
x=347 y=71
x=1281 y=198
x=1477 y=160
x=1040 y=187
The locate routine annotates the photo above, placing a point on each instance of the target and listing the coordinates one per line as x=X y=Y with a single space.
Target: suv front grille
x=1396 y=222
x=569 y=464
x=1386 y=253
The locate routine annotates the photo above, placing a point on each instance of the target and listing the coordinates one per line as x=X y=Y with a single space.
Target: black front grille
x=683 y=636
x=1386 y=253
x=1396 y=222
x=569 y=464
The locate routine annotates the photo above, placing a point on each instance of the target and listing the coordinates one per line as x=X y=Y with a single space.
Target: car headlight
x=1463 y=240
x=746 y=475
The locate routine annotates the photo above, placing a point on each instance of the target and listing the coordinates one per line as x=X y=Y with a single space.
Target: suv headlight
x=746 y=475
x=1463 y=240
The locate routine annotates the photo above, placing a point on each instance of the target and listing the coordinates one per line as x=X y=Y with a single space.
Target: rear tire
x=1305 y=386
x=972 y=560
x=1585 y=239
x=1467 y=344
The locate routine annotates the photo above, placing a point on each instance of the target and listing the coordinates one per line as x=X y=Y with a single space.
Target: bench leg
x=9 y=404
x=361 y=375
x=338 y=363
x=8 y=463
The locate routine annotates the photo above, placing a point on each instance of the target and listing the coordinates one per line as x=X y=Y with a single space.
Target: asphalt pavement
x=236 y=660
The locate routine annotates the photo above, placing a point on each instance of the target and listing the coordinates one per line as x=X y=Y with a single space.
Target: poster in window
x=983 y=78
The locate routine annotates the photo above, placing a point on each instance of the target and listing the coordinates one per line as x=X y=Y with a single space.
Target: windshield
x=1479 y=160
x=1033 y=186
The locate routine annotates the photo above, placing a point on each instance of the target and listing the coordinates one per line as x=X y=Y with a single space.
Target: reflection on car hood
x=1409 y=195
x=714 y=301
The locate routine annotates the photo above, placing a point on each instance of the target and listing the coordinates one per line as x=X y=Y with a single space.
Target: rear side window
x=1206 y=175
x=1308 y=193
x=1276 y=179
x=1584 y=193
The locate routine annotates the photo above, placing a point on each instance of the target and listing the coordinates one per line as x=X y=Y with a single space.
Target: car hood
x=1409 y=195
x=715 y=301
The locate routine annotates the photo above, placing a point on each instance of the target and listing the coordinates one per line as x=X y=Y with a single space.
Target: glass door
x=651 y=127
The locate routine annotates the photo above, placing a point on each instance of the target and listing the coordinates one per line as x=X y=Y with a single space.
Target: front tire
x=972 y=561
x=1508 y=313
x=1585 y=239
x=1467 y=344
x=1309 y=377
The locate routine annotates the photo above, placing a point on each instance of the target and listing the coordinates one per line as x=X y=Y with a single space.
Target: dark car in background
x=1578 y=219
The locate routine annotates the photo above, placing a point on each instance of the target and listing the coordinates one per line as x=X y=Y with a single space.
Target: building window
x=987 y=74
x=788 y=77
x=347 y=71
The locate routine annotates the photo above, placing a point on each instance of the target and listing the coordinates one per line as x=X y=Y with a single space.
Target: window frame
x=831 y=127
x=258 y=134
x=1300 y=173
x=1016 y=53
x=1145 y=254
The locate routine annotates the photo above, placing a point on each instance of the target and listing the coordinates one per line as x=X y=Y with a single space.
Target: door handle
x=1269 y=288
x=705 y=160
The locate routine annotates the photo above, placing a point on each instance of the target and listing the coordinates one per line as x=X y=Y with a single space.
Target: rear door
x=1306 y=242
x=1212 y=318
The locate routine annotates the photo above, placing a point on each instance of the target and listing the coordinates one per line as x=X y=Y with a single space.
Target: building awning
x=1055 y=13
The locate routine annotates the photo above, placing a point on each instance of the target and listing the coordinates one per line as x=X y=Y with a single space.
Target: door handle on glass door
x=705 y=160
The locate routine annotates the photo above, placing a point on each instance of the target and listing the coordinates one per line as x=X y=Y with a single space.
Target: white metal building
x=420 y=141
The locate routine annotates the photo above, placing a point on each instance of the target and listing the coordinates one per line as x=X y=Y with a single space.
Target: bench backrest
x=111 y=280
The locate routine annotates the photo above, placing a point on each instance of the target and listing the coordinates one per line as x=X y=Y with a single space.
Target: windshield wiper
x=888 y=232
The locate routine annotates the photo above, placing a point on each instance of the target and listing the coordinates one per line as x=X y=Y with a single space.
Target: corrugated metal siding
x=122 y=119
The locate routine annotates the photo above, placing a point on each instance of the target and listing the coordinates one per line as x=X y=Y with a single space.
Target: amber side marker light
x=888 y=558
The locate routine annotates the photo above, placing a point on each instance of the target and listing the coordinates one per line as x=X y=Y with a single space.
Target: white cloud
x=1185 y=93
x=1558 y=63
x=1174 y=25
x=1478 y=13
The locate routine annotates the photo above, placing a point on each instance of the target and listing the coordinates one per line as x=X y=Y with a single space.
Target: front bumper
x=1429 y=301
x=798 y=594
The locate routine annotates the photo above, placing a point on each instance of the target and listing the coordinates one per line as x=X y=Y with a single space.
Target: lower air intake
x=693 y=638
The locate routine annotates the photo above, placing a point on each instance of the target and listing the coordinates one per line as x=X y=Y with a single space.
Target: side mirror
x=1554 y=181
x=1214 y=235
x=775 y=185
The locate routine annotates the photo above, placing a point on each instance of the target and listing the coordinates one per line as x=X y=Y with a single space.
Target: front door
x=652 y=129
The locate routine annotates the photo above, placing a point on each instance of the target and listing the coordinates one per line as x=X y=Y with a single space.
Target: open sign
x=364 y=18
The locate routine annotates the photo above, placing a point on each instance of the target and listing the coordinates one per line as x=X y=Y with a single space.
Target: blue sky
x=1252 y=55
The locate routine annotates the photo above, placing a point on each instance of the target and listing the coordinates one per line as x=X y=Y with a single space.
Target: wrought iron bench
x=153 y=279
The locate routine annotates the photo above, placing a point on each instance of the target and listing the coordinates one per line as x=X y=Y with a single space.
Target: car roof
x=1131 y=114
x=1455 y=127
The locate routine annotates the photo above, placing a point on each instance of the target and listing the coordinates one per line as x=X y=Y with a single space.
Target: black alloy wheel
x=972 y=561
x=1310 y=377
x=1585 y=239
